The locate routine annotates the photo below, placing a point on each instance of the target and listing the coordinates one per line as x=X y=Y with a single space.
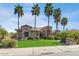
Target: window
x=37 y=34
x=26 y=33
x=41 y=34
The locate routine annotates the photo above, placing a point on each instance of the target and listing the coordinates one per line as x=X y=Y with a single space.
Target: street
x=67 y=53
x=72 y=50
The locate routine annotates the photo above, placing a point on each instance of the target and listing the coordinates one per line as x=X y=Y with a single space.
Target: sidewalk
x=37 y=51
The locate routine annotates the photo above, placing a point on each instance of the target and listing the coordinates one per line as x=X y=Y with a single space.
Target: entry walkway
x=38 y=51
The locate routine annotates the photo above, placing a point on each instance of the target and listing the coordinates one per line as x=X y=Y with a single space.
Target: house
x=27 y=31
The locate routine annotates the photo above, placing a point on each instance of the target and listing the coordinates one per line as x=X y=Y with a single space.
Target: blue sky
x=9 y=21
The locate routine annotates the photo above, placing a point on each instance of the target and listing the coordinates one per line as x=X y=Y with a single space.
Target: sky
x=9 y=21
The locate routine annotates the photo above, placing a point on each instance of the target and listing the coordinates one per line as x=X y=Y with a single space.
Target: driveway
x=41 y=51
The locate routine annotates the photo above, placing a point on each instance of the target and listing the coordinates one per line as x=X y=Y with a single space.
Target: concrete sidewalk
x=37 y=51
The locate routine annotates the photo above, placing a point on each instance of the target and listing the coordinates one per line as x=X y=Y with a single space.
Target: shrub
x=47 y=38
x=56 y=36
x=3 y=33
x=5 y=43
x=50 y=38
x=43 y=38
x=74 y=34
x=13 y=43
x=0 y=45
x=63 y=37
x=30 y=38
x=77 y=41
x=8 y=43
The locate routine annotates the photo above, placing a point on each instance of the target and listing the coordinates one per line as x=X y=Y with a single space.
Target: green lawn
x=37 y=43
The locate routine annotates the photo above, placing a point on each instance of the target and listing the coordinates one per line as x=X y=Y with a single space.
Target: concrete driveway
x=41 y=51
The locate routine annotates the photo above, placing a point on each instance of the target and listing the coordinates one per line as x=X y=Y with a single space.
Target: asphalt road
x=72 y=50
x=66 y=53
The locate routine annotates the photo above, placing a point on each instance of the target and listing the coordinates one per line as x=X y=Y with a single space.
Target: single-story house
x=27 y=31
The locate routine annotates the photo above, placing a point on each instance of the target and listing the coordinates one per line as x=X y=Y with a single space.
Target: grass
x=37 y=43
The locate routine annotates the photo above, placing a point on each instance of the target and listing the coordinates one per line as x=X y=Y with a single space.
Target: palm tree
x=35 y=11
x=64 y=22
x=19 y=11
x=48 y=12
x=57 y=17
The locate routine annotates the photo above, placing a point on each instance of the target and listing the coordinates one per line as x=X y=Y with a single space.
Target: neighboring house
x=27 y=31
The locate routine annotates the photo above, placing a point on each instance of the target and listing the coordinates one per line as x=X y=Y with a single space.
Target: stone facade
x=27 y=31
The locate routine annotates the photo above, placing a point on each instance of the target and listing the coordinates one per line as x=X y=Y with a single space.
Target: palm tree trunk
x=18 y=27
x=63 y=28
x=48 y=28
x=56 y=26
x=35 y=28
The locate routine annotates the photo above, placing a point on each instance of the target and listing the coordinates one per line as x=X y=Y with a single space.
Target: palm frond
x=18 y=10
x=35 y=9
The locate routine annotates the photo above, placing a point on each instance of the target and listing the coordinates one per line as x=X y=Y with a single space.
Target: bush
x=77 y=41
x=5 y=43
x=8 y=43
x=48 y=38
x=13 y=43
x=56 y=36
x=3 y=32
x=74 y=34
x=30 y=38
x=63 y=37
x=0 y=45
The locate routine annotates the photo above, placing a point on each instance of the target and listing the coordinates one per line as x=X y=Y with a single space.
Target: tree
x=57 y=17
x=3 y=33
x=64 y=22
x=19 y=11
x=35 y=12
x=48 y=12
